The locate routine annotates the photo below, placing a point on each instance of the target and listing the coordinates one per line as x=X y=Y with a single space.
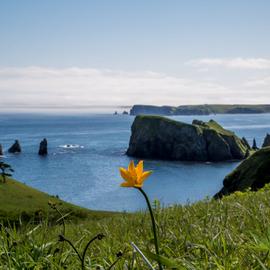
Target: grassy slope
x=254 y=171
x=17 y=199
x=229 y=234
x=218 y=128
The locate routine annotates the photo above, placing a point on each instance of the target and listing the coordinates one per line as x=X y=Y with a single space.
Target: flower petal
x=139 y=169
x=132 y=170
x=127 y=184
x=145 y=175
x=125 y=174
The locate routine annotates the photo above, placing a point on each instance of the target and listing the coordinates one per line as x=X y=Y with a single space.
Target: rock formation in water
x=1 y=150
x=158 y=137
x=15 y=148
x=254 y=145
x=266 y=141
x=245 y=142
x=253 y=173
x=43 y=148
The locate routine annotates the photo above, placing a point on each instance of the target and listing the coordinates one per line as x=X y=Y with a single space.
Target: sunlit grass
x=229 y=234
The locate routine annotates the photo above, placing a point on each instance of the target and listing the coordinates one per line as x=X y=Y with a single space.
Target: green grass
x=232 y=233
x=18 y=200
x=254 y=172
x=218 y=128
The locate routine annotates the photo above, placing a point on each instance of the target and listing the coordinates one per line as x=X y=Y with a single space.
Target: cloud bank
x=41 y=89
x=233 y=63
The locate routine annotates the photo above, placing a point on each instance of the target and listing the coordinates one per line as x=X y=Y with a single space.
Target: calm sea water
x=87 y=174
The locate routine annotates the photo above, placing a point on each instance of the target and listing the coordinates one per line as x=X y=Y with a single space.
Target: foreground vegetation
x=232 y=233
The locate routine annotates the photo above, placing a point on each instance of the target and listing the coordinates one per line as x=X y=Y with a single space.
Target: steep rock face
x=253 y=173
x=1 y=150
x=266 y=141
x=222 y=144
x=162 y=138
x=15 y=148
x=43 y=148
x=245 y=142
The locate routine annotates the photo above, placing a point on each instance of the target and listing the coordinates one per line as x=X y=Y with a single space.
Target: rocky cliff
x=204 y=109
x=266 y=141
x=253 y=173
x=158 y=137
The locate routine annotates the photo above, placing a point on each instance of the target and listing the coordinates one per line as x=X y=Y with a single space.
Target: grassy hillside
x=19 y=200
x=253 y=173
x=232 y=233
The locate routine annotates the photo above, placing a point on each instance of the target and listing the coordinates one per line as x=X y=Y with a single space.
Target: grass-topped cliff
x=204 y=109
x=252 y=173
x=232 y=233
x=158 y=137
x=18 y=200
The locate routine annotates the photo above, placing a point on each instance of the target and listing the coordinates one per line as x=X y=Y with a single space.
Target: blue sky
x=212 y=44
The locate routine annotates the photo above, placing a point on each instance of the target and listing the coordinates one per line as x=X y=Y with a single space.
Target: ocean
x=86 y=151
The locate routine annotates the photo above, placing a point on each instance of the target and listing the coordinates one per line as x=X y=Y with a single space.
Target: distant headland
x=204 y=109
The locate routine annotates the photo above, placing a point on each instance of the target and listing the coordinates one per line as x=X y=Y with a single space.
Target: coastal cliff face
x=158 y=137
x=253 y=173
x=204 y=109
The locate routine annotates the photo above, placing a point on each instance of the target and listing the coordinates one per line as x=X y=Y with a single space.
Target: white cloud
x=262 y=83
x=67 y=88
x=232 y=63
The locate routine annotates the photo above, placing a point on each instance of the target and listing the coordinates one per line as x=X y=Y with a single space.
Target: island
x=157 y=137
x=205 y=109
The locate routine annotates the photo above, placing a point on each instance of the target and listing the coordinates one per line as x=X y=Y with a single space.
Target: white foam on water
x=71 y=146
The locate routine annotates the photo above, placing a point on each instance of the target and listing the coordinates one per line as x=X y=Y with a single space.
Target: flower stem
x=153 y=224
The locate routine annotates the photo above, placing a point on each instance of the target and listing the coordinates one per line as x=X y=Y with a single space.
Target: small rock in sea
x=254 y=145
x=245 y=142
x=43 y=148
x=15 y=148
x=266 y=141
x=1 y=150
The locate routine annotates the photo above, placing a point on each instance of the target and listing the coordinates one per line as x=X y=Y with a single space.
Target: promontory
x=252 y=173
x=204 y=109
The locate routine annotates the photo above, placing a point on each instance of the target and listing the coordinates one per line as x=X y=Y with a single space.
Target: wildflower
x=134 y=176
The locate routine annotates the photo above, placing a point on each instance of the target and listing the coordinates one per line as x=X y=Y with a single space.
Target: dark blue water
x=88 y=173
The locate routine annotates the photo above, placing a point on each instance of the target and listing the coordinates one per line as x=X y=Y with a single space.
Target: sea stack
x=43 y=148
x=245 y=142
x=266 y=141
x=254 y=145
x=1 y=150
x=157 y=137
x=15 y=148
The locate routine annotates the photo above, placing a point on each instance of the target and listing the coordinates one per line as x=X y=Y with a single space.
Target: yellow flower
x=134 y=176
